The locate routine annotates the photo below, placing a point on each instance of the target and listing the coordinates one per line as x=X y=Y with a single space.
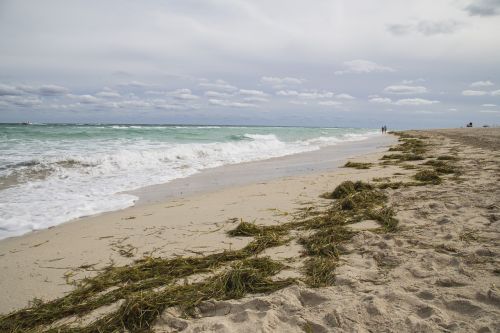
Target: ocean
x=50 y=174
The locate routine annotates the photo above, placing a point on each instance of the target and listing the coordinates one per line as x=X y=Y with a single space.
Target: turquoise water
x=50 y=174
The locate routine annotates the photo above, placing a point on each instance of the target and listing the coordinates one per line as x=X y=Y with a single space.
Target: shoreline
x=214 y=179
x=412 y=246
x=235 y=174
x=104 y=236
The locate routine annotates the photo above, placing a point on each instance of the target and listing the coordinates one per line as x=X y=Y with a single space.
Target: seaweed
x=320 y=271
x=428 y=177
x=358 y=165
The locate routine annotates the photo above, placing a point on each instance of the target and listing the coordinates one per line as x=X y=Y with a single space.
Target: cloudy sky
x=425 y=63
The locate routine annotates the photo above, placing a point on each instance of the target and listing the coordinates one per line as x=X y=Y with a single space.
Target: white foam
x=97 y=174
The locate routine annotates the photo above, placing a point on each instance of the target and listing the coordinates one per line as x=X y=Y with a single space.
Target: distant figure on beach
x=469 y=124
x=384 y=129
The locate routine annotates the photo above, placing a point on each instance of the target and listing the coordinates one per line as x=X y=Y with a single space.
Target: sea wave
x=53 y=188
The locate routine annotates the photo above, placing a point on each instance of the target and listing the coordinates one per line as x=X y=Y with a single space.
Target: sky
x=407 y=64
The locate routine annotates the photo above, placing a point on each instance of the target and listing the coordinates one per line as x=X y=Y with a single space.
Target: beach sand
x=437 y=272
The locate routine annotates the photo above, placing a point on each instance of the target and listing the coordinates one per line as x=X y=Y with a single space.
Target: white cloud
x=481 y=84
x=313 y=94
x=489 y=111
x=218 y=85
x=227 y=103
x=495 y=93
x=380 y=100
x=216 y=94
x=255 y=99
x=474 y=93
x=183 y=94
x=405 y=89
x=489 y=105
x=84 y=99
x=414 y=101
x=330 y=103
x=360 y=66
x=287 y=93
x=108 y=94
x=419 y=80
x=252 y=92
x=402 y=102
x=309 y=94
x=134 y=84
x=345 y=96
x=132 y=104
x=281 y=82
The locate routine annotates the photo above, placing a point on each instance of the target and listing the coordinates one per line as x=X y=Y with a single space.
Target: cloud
x=402 y=102
x=400 y=29
x=426 y=28
x=228 y=103
x=405 y=89
x=360 y=66
x=489 y=105
x=6 y=90
x=216 y=94
x=474 y=93
x=218 y=85
x=414 y=101
x=481 y=84
x=52 y=90
x=45 y=90
x=419 y=80
x=287 y=93
x=256 y=99
x=330 y=103
x=22 y=101
x=307 y=94
x=483 y=8
x=345 y=96
x=380 y=100
x=131 y=104
x=108 y=94
x=183 y=94
x=313 y=94
x=495 y=93
x=252 y=92
x=84 y=99
x=298 y=102
x=281 y=82
x=489 y=111
x=134 y=84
